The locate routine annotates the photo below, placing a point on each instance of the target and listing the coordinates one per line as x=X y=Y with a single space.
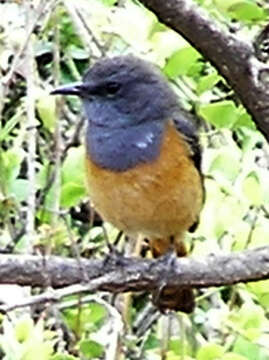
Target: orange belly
x=157 y=199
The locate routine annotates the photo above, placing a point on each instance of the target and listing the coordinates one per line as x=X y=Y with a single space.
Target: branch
x=31 y=139
x=120 y=274
x=234 y=58
x=89 y=40
x=39 y=12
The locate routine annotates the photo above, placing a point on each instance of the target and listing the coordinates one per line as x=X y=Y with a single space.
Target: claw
x=169 y=257
x=115 y=257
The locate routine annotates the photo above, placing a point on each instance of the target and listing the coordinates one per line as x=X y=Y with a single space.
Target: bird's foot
x=114 y=257
x=169 y=258
x=172 y=298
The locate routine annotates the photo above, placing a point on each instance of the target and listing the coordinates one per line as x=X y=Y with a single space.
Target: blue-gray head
x=123 y=91
x=127 y=102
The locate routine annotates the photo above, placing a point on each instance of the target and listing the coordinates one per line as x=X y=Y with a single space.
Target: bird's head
x=123 y=91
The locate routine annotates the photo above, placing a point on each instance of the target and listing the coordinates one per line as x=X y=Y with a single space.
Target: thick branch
x=234 y=58
x=117 y=273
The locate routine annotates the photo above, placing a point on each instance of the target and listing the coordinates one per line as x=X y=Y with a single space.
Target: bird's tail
x=178 y=299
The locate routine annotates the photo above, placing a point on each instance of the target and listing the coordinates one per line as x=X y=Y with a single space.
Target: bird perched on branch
x=142 y=158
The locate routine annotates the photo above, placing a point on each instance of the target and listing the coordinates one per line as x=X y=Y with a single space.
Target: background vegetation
x=44 y=207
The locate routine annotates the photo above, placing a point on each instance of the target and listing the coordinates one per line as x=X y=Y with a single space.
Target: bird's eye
x=112 y=88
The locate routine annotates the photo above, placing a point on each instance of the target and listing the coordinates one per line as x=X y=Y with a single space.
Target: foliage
x=22 y=339
x=228 y=323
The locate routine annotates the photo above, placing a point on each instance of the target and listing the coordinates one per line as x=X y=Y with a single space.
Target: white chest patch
x=144 y=143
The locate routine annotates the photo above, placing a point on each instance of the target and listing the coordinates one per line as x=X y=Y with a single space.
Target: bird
x=143 y=158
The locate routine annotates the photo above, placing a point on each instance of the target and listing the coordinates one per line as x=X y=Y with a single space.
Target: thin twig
x=116 y=323
x=57 y=132
x=54 y=296
x=85 y=34
x=31 y=135
x=30 y=28
x=75 y=251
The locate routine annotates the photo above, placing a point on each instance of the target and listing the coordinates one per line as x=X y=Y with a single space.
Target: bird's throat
x=121 y=149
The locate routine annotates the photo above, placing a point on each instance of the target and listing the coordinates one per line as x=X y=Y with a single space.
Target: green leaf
x=165 y=42
x=179 y=347
x=91 y=349
x=225 y=5
x=40 y=351
x=259 y=287
x=242 y=10
x=71 y=194
x=249 y=138
x=249 y=320
x=73 y=177
x=77 y=53
x=10 y=164
x=109 y=2
x=42 y=47
x=196 y=70
x=264 y=300
x=226 y=164
x=220 y=114
x=124 y=23
x=241 y=231
x=170 y=355
x=181 y=62
x=97 y=313
x=248 y=349
x=246 y=10
x=229 y=212
x=244 y=119
x=68 y=34
x=207 y=82
x=210 y=351
x=73 y=169
x=152 y=342
x=260 y=234
x=63 y=357
x=19 y=188
x=261 y=291
x=9 y=126
x=23 y=329
x=91 y=317
x=46 y=107
x=252 y=189
x=233 y=356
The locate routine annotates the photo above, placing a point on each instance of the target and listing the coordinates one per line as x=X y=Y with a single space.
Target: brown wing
x=185 y=123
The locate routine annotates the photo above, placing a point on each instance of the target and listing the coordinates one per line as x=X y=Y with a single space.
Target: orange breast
x=156 y=199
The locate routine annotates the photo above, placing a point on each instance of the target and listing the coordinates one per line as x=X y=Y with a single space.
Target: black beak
x=69 y=89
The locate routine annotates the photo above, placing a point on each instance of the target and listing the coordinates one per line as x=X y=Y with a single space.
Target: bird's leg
x=114 y=255
x=165 y=298
x=117 y=240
